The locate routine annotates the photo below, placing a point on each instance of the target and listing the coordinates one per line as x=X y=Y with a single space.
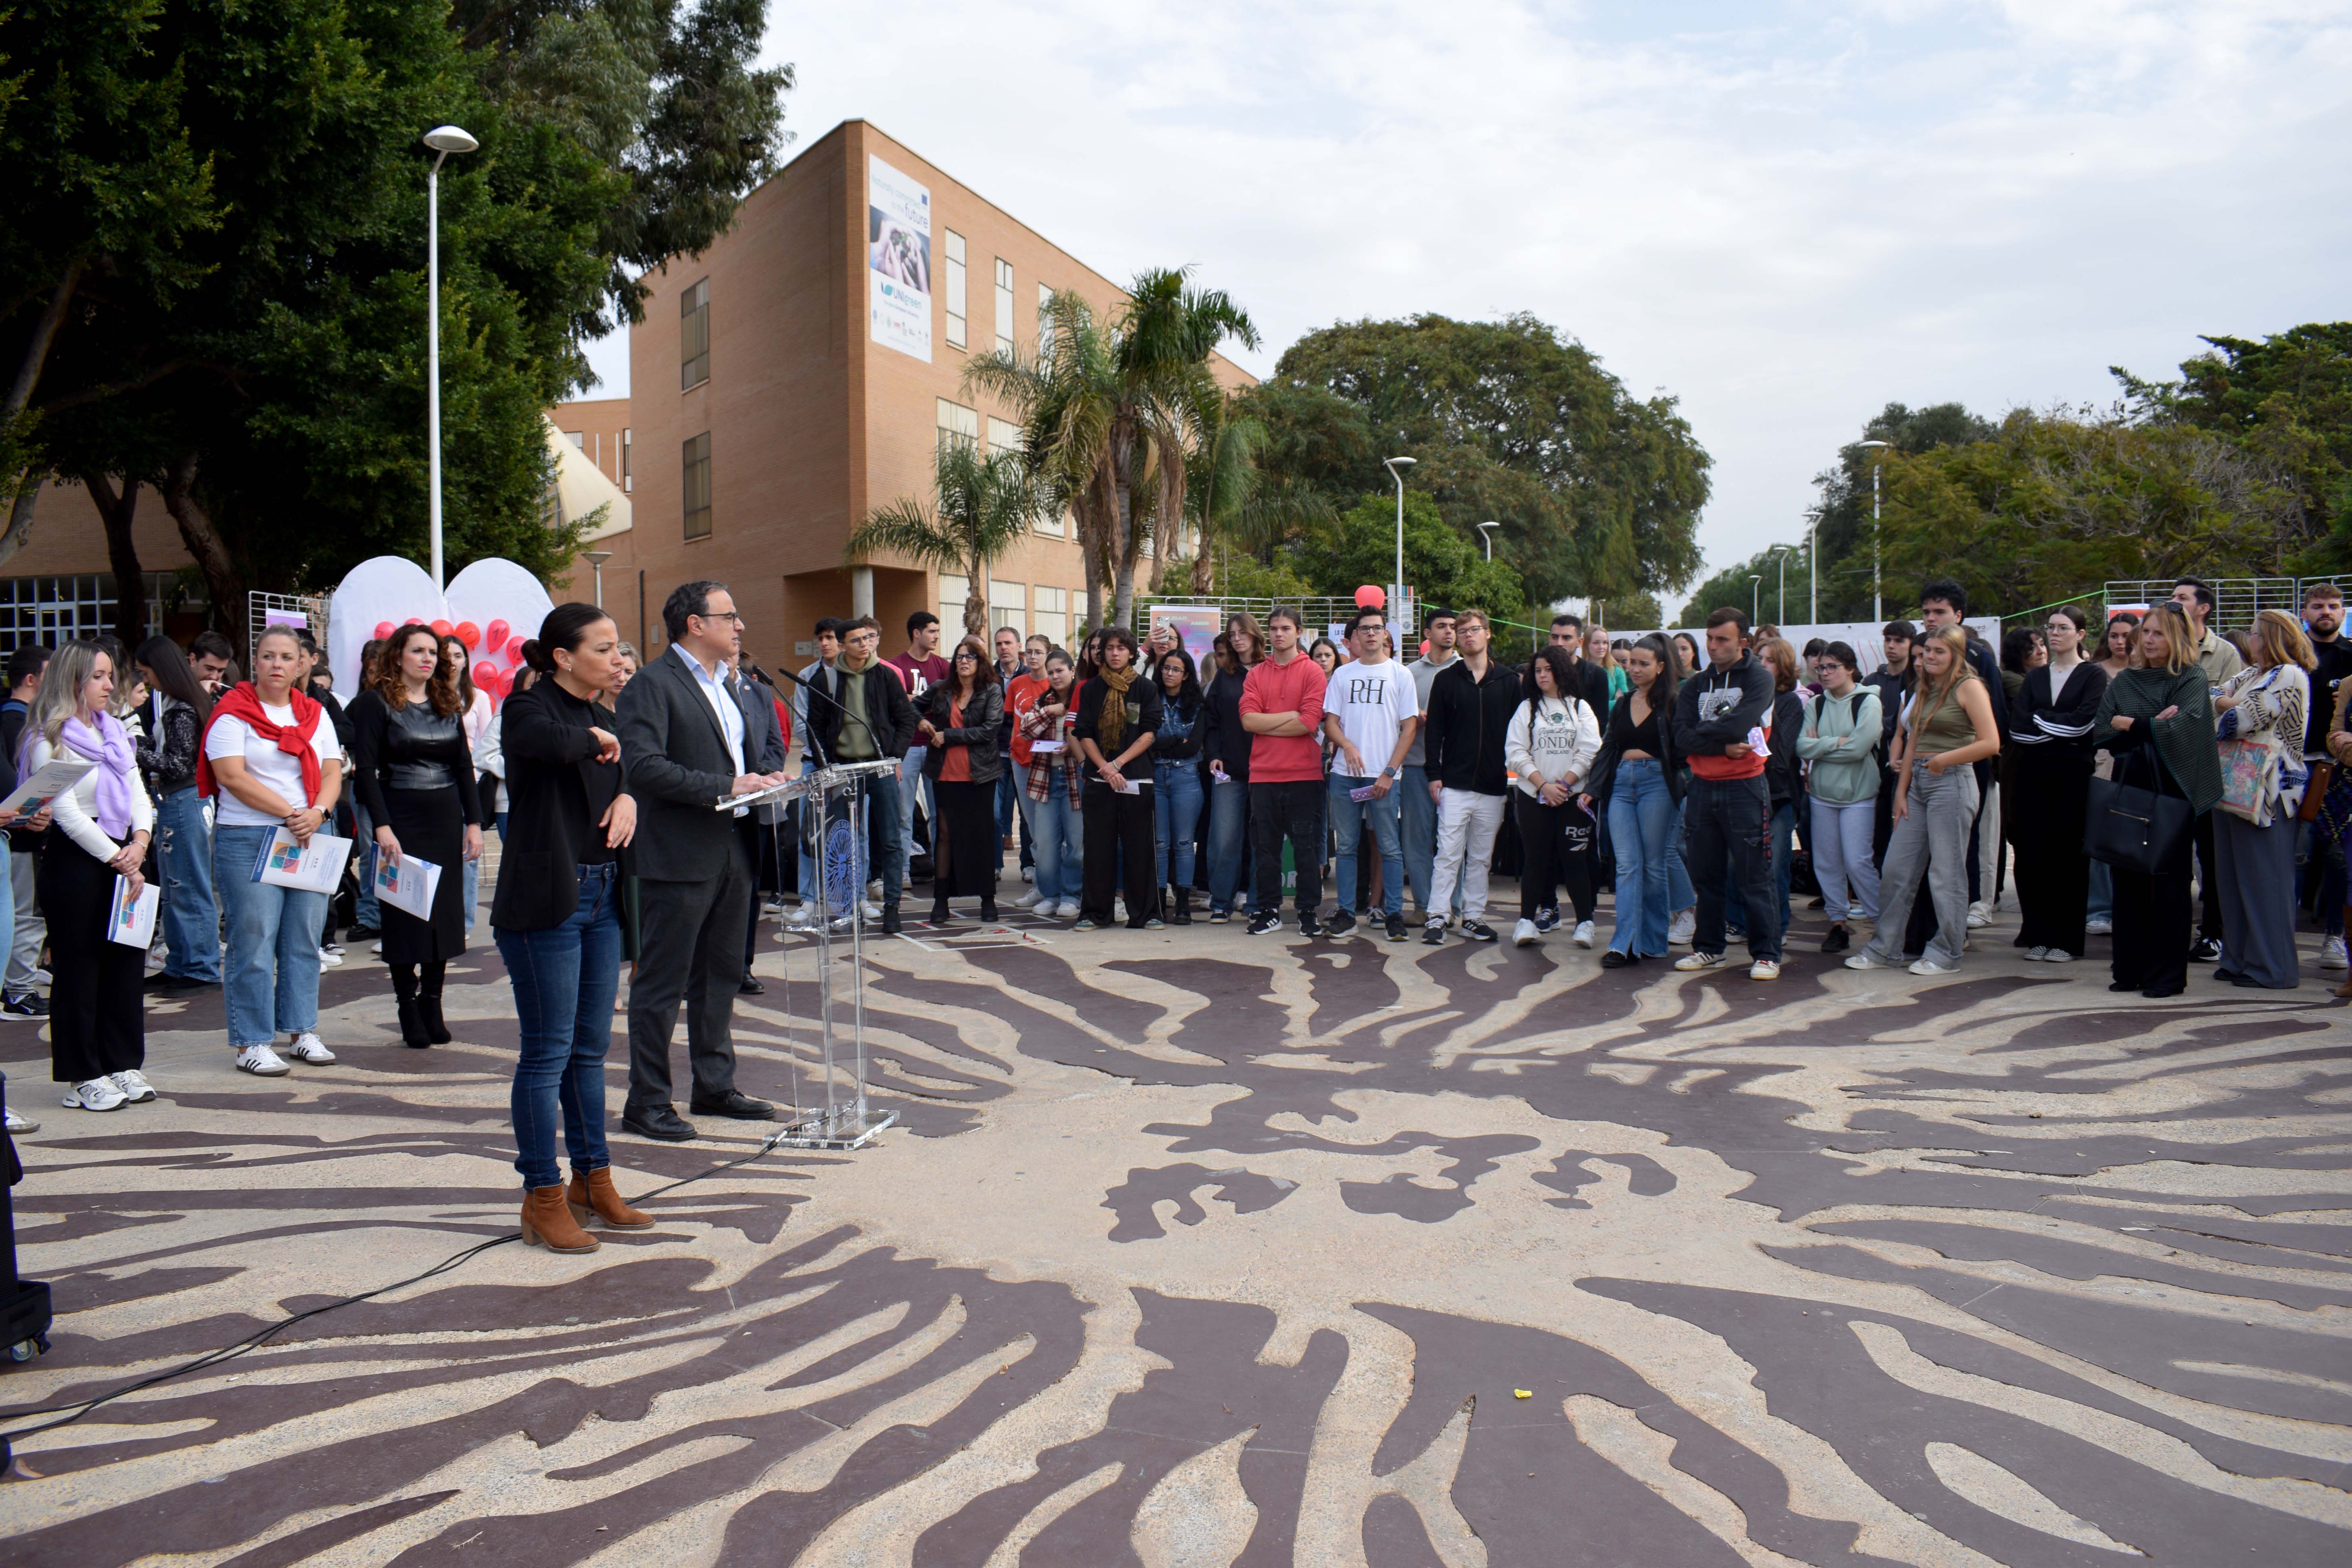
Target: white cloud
x=1784 y=214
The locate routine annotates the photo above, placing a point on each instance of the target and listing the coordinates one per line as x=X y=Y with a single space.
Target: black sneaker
x=1837 y=940
x=1219 y=917
x=1339 y=924
x=1263 y=921
x=1546 y=917
x=1615 y=958
x=1478 y=930
x=2205 y=950
x=1308 y=925
x=362 y=933
x=1396 y=928
x=25 y=1004
x=1434 y=934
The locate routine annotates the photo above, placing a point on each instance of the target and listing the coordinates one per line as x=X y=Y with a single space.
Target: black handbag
x=2135 y=830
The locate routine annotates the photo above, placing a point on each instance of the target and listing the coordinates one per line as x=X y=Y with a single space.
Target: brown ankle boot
x=592 y=1193
x=547 y=1222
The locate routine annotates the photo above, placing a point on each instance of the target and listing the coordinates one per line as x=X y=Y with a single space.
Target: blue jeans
x=1056 y=841
x=886 y=838
x=2102 y=905
x=1176 y=800
x=370 y=910
x=1643 y=826
x=272 y=969
x=1348 y=820
x=1680 y=895
x=564 y=983
x=808 y=861
x=1418 y=833
x=473 y=890
x=185 y=861
x=1232 y=864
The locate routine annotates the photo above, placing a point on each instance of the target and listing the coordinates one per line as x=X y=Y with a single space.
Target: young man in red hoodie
x=1728 y=805
x=1282 y=709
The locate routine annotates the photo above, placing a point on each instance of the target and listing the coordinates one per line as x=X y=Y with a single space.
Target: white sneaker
x=1864 y=961
x=1979 y=914
x=1525 y=934
x=18 y=1124
x=307 y=1047
x=262 y=1062
x=1118 y=909
x=1683 y=928
x=1028 y=901
x=802 y=919
x=1068 y=910
x=1696 y=960
x=2332 y=955
x=1929 y=967
x=1584 y=934
x=2057 y=955
x=2036 y=955
x=1764 y=968
x=133 y=1085
x=329 y=960
x=2098 y=925
x=98 y=1094
x=1028 y=873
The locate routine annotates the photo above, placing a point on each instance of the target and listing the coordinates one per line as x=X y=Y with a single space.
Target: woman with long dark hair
x=98 y=833
x=1118 y=712
x=963 y=719
x=1838 y=742
x=2050 y=721
x=189 y=921
x=416 y=779
x=2157 y=717
x=1176 y=779
x=1637 y=779
x=557 y=920
x=1227 y=747
x=1550 y=745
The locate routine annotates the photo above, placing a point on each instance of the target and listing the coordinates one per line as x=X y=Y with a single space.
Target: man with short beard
x=2322 y=622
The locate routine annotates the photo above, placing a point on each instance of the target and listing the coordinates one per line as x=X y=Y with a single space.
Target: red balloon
x=469 y=633
x=382 y=630
x=496 y=636
x=486 y=674
x=1368 y=597
x=441 y=628
x=1424 y=648
x=514 y=650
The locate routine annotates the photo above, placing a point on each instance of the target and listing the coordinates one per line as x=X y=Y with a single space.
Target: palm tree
x=985 y=505
x=1168 y=330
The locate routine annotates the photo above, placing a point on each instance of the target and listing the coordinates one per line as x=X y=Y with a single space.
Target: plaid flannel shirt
x=1039 y=726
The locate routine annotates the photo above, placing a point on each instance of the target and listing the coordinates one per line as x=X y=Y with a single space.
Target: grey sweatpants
x=1939 y=813
x=24 y=951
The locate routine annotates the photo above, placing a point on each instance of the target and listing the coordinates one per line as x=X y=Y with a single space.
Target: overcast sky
x=1784 y=214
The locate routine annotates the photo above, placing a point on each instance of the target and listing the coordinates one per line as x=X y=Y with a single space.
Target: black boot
x=940 y=913
x=988 y=908
x=890 y=920
x=429 y=1009
x=1183 y=916
x=411 y=1025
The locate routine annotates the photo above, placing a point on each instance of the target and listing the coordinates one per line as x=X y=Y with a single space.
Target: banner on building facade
x=899 y=260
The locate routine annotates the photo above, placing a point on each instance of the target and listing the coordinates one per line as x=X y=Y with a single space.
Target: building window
x=1008 y=604
x=697 y=456
x=958 y=423
x=48 y=611
x=956 y=333
x=1053 y=526
x=1051 y=620
x=953 y=591
x=1003 y=305
x=1044 y=321
x=578 y=439
x=628 y=478
x=694 y=336
x=1003 y=435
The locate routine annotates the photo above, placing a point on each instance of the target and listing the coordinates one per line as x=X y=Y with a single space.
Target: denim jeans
x=473 y=890
x=1728 y=834
x=808 y=861
x=184 y=861
x=2102 y=905
x=271 y=973
x=1176 y=797
x=564 y=983
x=911 y=785
x=1841 y=835
x=369 y=910
x=1056 y=840
x=1939 y=817
x=28 y=930
x=885 y=843
x=1348 y=820
x=1417 y=834
x=1232 y=860
x=1643 y=826
x=1679 y=893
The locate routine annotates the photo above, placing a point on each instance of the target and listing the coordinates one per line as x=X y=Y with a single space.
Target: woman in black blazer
x=557 y=919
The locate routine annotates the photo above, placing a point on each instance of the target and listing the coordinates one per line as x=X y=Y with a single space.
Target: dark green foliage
x=1444 y=567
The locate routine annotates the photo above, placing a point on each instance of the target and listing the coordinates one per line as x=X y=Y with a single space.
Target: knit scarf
x=244 y=702
x=2185 y=741
x=109 y=745
x=1110 y=730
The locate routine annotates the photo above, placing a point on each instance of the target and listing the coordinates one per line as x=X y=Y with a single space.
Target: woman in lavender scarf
x=98 y=1029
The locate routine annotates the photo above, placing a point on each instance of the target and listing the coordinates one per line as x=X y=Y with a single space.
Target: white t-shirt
x=280 y=770
x=1372 y=702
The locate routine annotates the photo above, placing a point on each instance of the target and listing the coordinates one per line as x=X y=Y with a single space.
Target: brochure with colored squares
x=312 y=868
x=131 y=921
x=407 y=885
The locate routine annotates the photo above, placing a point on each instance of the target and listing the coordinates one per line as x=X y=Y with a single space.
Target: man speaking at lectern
x=685 y=742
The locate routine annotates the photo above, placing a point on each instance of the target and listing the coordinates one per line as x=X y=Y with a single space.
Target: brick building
x=800 y=373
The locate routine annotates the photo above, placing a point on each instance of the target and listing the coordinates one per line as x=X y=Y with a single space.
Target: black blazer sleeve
x=528 y=731
x=369 y=719
x=650 y=710
x=981 y=722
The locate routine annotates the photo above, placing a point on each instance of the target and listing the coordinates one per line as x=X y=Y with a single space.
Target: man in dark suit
x=685 y=740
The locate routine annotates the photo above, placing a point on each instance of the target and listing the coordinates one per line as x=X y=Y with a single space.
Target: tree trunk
x=36 y=348
x=1123 y=485
x=20 y=517
x=975 y=602
x=115 y=513
x=223 y=583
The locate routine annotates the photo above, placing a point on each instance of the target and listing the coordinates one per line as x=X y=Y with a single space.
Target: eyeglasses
x=735 y=616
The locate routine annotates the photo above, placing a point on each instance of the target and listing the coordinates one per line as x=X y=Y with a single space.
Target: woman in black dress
x=2048 y=758
x=416 y=780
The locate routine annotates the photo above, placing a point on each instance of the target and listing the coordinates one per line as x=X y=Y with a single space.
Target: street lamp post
x=1486 y=532
x=1755 y=601
x=444 y=139
x=596 y=559
x=1781 y=611
x=1877 y=606
x=1396 y=466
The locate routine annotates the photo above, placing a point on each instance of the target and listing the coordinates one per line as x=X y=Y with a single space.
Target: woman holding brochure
x=271 y=766
x=416 y=780
x=97 y=839
x=557 y=919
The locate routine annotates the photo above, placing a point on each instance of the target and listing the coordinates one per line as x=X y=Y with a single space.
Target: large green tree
x=1446 y=569
x=1598 y=491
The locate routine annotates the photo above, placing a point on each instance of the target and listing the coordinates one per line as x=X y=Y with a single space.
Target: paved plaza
x=1195 y=1249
